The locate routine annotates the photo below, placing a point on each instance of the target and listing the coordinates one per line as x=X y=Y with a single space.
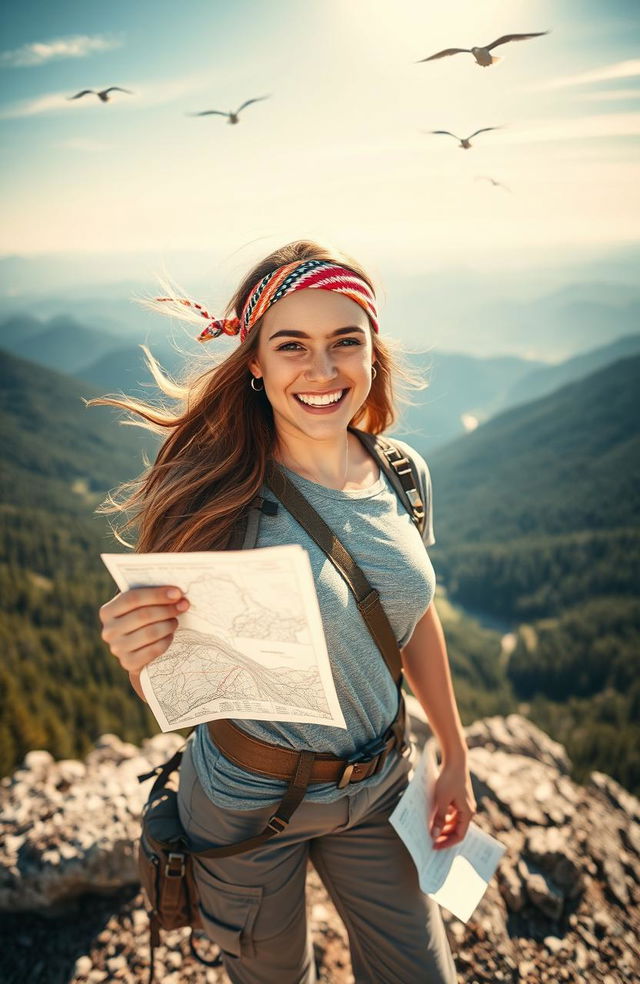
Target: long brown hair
x=220 y=432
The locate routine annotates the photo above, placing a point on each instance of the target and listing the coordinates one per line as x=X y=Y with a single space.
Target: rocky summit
x=563 y=905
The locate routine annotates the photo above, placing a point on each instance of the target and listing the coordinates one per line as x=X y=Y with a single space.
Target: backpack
x=165 y=858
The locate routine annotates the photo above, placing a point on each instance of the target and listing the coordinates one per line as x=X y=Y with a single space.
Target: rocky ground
x=564 y=904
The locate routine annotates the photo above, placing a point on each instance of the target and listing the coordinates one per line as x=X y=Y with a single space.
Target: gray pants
x=253 y=904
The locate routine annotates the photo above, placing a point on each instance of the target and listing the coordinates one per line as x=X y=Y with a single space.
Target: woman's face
x=314 y=342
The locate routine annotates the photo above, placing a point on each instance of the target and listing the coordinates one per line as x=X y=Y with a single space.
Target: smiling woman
x=220 y=433
x=309 y=367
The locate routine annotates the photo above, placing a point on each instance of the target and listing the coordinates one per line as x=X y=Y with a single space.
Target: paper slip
x=456 y=877
x=251 y=644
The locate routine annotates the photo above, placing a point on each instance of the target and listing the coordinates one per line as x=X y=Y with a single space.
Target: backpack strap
x=400 y=470
x=244 y=535
x=367 y=597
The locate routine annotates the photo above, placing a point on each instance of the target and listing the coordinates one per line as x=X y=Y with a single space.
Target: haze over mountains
x=536 y=305
x=463 y=390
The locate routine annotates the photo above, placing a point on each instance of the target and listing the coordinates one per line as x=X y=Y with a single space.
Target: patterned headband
x=301 y=275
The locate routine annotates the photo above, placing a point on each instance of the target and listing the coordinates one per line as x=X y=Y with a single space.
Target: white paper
x=456 y=877
x=251 y=644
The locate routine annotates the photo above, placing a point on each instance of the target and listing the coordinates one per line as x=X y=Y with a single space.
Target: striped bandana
x=301 y=275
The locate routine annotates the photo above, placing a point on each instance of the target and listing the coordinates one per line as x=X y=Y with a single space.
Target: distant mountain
x=17 y=330
x=56 y=453
x=61 y=343
x=567 y=462
x=125 y=370
x=545 y=379
x=551 y=327
x=539 y=508
x=462 y=392
x=550 y=309
x=537 y=524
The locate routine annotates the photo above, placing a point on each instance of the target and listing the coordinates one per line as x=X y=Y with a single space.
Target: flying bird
x=103 y=94
x=482 y=54
x=232 y=117
x=465 y=142
x=496 y=184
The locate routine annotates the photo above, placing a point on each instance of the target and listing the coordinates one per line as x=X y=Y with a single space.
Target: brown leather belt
x=278 y=762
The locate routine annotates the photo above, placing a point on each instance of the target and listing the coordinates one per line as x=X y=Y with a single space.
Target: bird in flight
x=232 y=117
x=482 y=54
x=465 y=142
x=103 y=94
x=496 y=184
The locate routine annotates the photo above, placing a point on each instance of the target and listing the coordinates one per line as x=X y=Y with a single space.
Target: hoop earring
x=374 y=373
x=257 y=389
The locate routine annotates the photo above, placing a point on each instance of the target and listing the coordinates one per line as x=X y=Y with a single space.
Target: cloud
x=579 y=128
x=610 y=95
x=620 y=70
x=41 y=104
x=40 y=52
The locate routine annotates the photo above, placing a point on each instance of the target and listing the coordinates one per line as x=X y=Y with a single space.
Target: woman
x=309 y=366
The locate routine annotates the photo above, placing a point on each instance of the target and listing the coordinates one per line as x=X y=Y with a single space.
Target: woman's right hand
x=138 y=625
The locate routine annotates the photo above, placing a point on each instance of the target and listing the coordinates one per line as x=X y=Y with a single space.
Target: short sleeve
x=427 y=497
x=425 y=489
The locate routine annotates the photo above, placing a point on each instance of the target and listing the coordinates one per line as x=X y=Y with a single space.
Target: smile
x=321 y=401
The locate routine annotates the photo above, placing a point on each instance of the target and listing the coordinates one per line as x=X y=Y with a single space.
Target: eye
x=350 y=341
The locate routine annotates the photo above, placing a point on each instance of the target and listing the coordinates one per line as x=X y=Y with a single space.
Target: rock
x=83 y=967
x=564 y=905
x=553 y=944
x=511 y=886
x=116 y=963
x=38 y=762
x=549 y=847
x=541 y=891
x=56 y=845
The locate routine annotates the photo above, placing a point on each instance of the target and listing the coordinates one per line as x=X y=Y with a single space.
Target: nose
x=320 y=367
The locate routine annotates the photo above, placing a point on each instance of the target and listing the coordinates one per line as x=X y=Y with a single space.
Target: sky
x=340 y=149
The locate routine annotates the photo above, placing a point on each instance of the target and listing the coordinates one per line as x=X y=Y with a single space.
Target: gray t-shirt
x=379 y=533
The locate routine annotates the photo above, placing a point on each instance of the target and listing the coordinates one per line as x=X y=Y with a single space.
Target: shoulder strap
x=400 y=470
x=367 y=598
x=245 y=530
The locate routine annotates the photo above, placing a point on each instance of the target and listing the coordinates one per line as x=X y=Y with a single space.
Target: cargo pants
x=253 y=904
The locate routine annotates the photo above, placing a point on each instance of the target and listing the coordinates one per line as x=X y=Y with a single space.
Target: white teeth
x=321 y=401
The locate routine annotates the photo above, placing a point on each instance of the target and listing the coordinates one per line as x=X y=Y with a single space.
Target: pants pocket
x=228 y=912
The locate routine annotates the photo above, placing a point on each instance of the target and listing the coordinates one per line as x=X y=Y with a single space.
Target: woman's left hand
x=453 y=806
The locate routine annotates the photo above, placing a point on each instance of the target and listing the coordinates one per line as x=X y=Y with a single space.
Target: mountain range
x=463 y=390
x=536 y=523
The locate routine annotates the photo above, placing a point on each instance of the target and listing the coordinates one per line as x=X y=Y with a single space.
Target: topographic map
x=251 y=644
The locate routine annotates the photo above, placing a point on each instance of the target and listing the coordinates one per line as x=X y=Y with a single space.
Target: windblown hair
x=220 y=432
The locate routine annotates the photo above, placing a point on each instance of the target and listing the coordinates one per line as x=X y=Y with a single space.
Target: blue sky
x=338 y=150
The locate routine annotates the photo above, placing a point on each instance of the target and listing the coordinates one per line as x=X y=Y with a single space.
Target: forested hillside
x=58 y=684
x=537 y=517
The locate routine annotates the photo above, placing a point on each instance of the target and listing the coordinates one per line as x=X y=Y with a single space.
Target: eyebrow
x=293 y=333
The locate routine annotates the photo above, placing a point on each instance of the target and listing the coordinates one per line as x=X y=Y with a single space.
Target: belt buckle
x=277 y=824
x=377 y=747
x=175 y=866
